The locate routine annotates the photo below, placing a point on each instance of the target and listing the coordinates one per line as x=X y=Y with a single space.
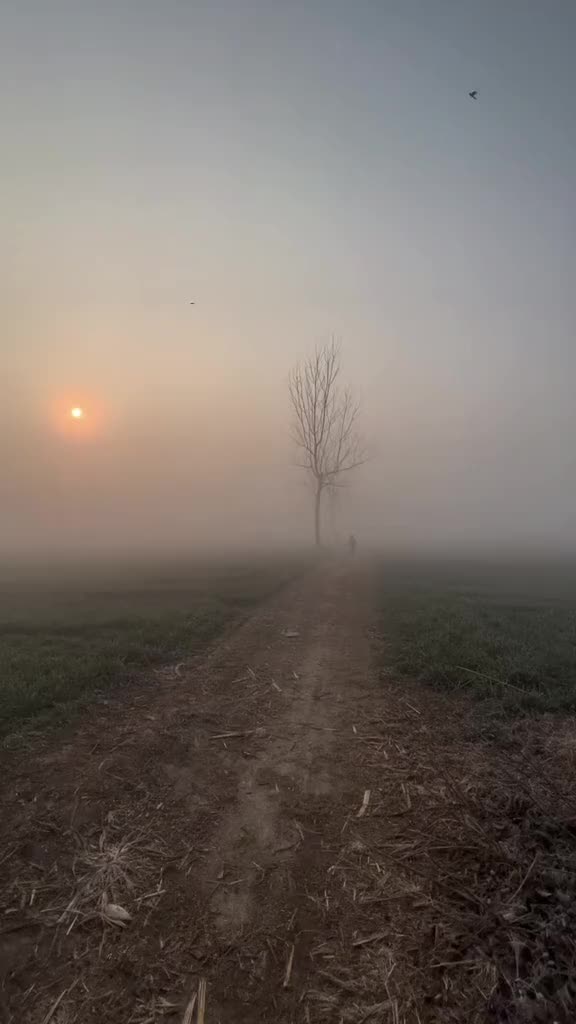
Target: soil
x=287 y=824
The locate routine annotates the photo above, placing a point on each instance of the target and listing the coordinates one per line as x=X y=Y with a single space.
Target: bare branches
x=325 y=421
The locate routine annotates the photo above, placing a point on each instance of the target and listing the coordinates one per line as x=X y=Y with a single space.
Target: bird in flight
x=192 y=303
x=474 y=94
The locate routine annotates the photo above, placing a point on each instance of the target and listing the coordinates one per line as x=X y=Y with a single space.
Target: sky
x=300 y=171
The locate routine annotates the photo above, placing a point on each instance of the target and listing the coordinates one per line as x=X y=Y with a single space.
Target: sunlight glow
x=77 y=413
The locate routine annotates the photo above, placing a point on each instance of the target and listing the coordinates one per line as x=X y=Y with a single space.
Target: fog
x=299 y=174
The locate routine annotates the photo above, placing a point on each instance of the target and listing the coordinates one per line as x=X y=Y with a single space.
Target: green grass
x=503 y=634
x=67 y=632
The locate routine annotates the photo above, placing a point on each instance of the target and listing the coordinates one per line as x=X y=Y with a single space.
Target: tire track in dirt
x=268 y=833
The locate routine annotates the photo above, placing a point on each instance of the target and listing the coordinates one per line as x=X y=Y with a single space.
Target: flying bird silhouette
x=474 y=94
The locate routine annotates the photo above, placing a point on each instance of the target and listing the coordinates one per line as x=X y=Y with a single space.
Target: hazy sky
x=300 y=169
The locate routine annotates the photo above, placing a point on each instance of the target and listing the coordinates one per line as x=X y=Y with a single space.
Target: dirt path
x=278 y=822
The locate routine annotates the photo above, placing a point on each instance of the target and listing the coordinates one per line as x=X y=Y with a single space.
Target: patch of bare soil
x=274 y=833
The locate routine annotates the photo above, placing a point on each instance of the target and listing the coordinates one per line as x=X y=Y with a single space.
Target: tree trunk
x=317 y=516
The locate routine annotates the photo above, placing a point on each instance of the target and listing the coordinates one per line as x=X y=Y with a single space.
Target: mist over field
x=178 y=480
x=163 y=156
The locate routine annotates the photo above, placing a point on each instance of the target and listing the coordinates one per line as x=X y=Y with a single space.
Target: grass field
x=67 y=631
x=505 y=634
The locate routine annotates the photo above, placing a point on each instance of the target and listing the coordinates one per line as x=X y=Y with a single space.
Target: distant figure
x=352 y=544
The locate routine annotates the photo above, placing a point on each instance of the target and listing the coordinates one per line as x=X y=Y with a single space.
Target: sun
x=77 y=413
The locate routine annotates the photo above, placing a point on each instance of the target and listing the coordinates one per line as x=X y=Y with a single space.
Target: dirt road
x=293 y=838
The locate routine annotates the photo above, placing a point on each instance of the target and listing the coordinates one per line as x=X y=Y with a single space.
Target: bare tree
x=325 y=424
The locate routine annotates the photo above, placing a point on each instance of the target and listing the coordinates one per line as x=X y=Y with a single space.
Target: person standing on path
x=352 y=544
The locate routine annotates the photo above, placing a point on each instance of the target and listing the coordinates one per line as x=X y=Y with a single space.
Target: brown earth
x=307 y=837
